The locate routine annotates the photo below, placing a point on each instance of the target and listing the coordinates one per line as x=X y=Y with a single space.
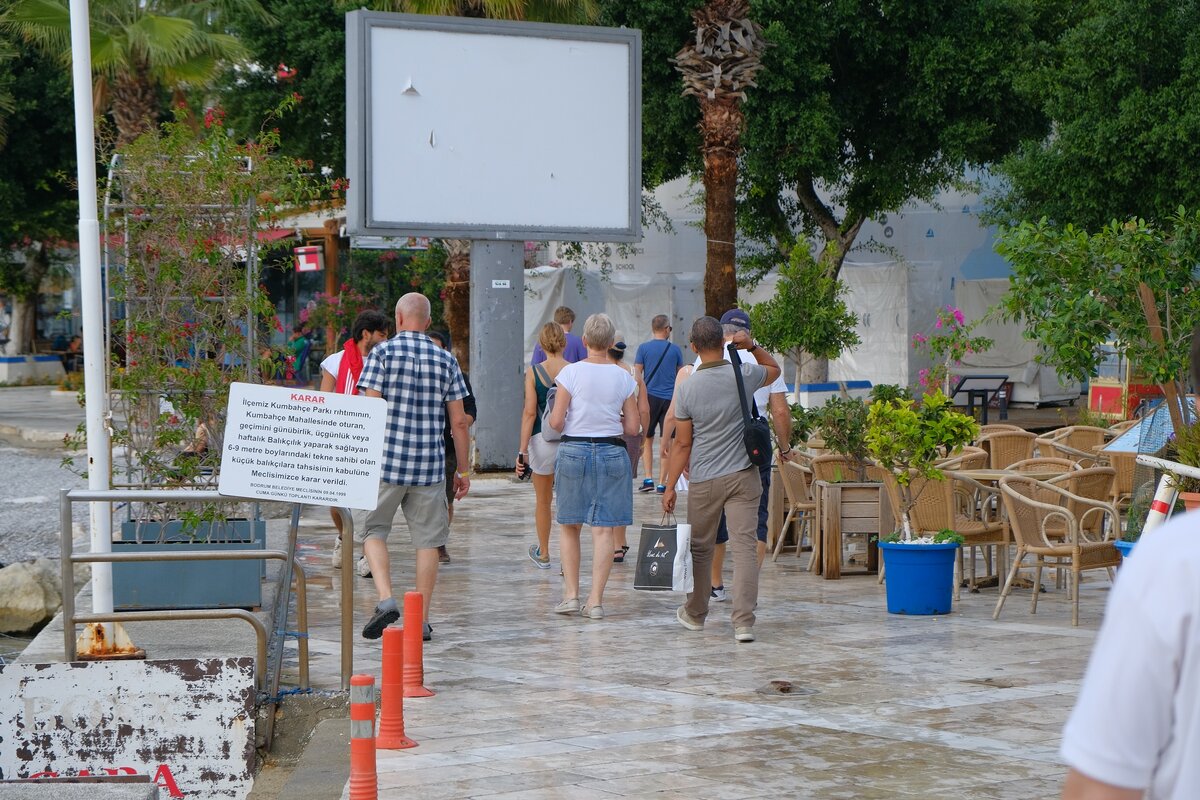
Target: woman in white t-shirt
x=594 y=406
x=634 y=443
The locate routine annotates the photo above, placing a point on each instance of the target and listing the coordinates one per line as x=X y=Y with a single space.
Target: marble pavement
x=532 y=706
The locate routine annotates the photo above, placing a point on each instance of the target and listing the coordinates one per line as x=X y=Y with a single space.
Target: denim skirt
x=594 y=485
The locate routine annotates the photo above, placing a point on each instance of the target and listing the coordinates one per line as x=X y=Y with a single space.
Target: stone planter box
x=189 y=584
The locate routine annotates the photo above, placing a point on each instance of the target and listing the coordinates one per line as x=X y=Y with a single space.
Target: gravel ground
x=30 y=480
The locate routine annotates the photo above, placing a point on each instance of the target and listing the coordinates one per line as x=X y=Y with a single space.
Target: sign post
x=302 y=446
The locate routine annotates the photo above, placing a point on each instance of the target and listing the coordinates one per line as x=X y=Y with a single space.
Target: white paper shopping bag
x=682 y=573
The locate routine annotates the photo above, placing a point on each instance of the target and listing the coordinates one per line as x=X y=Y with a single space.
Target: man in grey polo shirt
x=708 y=435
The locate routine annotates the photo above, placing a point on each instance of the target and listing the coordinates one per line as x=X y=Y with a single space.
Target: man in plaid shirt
x=422 y=384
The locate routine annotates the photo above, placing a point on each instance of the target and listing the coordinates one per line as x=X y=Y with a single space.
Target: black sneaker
x=383 y=616
x=427 y=633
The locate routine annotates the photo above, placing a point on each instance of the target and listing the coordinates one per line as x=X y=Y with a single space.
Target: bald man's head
x=412 y=312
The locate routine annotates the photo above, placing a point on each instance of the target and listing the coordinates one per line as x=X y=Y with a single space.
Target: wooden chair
x=800 y=506
x=1036 y=510
x=940 y=505
x=1007 y=447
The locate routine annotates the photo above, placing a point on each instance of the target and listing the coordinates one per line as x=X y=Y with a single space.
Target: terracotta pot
x=1191 y=500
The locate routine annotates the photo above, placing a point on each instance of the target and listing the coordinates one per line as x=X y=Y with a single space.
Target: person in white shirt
x=594 y=405
x=1135 y=730
x=339 y=373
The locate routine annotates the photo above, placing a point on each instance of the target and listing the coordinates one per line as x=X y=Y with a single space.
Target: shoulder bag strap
x=658 y=364
x=736 y=361
x=542 y=375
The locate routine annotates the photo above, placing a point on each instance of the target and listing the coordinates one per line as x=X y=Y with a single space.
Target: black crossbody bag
x=755 y=434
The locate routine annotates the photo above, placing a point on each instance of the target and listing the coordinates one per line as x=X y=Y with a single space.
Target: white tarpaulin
x=1011 y=354
x=631 y=299
x=893 y=301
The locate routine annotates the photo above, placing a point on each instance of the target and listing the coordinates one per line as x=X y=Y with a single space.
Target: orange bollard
x=391 y=694
x=414 y=647
x=364 y=781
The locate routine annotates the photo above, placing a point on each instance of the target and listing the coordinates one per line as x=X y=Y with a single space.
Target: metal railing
x=70 y=559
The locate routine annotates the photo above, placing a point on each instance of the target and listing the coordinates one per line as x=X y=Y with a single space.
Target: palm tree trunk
x=458 y=299
x=721 y=127
x=134 y=105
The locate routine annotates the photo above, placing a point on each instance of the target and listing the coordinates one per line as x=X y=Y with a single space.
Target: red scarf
x=349 y=369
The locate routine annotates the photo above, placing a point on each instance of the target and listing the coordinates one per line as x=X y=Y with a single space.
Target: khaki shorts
x=424 y=511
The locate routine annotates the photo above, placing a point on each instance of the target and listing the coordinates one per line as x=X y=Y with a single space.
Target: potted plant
x=842 y=423
x=908 y=440
x=188 y=310
x=1184 y=448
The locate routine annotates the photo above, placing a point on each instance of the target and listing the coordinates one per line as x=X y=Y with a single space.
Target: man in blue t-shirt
x=575 y=350
x=657 y=363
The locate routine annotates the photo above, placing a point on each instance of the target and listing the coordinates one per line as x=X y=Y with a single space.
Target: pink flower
x=958 y=317
x=938 y=324
x=919 y=339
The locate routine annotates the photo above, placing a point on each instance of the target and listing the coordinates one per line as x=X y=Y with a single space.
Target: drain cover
x=784 y=689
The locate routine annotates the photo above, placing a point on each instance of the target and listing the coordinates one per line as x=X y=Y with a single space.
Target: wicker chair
x=949 y=504
x=1037 y=511
x=1075 y=442
x=997 y=427
x=1007 y=447
x=1122 y=487
x=1093 y=483
x=834 y=468
x=800 y=505
x=966 y=458
x=1117 y=428
x=1043 y=464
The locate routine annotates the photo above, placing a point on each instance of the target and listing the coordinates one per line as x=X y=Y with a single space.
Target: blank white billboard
x=481 y=129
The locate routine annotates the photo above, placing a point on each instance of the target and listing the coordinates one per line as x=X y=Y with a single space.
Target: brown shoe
x=443 y=556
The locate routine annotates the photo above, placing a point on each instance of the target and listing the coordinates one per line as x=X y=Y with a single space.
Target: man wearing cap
x=708 y=440
x=770 y=400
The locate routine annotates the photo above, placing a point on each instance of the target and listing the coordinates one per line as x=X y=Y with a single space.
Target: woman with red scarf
x=340 y=371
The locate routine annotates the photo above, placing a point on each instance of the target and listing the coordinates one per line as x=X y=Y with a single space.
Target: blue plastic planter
x=1125 y=547
x=920 y=577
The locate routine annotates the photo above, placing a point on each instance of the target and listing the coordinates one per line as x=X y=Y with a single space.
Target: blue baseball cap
x=736 y=317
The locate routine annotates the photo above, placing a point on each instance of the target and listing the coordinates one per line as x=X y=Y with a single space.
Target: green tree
x=38 y=207
x=860 y=107
x=138 y=48
x=1123 y=89
x=808 y=316
x=7 y=101
x=876 y=104
x=1076 y=291
x=303 y=51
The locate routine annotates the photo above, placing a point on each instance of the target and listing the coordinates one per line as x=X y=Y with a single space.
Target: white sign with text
x=303 y=446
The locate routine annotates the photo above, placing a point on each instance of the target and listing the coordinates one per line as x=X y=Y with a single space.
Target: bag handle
x=736 y=361
x=667 y=515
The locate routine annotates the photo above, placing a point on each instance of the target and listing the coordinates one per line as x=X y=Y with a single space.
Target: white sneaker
x=718 y=594
x=364 y=569
x=743 y=634
x=567 y=606
x=337 y=553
